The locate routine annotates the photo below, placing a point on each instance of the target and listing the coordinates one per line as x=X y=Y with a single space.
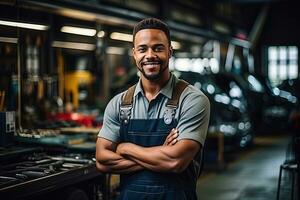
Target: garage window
x=282 y=63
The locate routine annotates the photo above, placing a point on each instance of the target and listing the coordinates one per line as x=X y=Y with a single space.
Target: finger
x=171 y=132
x=172 y=135
x=172 y=138
x=174 y=141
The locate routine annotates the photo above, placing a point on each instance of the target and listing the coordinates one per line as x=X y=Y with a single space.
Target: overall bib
x=146 y=184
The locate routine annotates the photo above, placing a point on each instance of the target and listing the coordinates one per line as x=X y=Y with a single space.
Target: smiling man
x=153 y=133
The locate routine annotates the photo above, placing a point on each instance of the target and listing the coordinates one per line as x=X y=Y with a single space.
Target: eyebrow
x=155 y=45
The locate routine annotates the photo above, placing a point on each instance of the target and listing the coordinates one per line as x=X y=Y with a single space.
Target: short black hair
x=152 y=23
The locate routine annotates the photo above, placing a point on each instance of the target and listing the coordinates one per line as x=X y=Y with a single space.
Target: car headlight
x=226 y=129
x=244 y=126
x=275 y=111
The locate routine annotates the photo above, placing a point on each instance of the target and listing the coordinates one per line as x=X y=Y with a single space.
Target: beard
x=153 y=77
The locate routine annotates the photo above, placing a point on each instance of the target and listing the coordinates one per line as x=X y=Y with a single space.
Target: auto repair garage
x=62 y=62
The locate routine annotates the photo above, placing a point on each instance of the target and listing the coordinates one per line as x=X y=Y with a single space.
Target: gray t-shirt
x=192 y=113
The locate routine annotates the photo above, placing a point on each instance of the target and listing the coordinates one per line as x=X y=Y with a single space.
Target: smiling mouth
x=151 y=64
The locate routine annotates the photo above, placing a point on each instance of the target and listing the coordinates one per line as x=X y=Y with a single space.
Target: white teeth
x=151 y=65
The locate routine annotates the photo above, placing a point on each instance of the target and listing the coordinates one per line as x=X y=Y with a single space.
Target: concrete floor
x=250 y=175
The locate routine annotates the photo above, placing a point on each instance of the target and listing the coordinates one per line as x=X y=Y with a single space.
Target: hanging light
x=78 y=30
x=24 y=25
x=121 y=36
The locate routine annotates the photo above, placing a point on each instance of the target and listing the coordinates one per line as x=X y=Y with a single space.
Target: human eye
x=159 y=48
x=141 y=49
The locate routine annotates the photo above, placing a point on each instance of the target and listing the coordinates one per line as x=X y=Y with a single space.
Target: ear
x=133 y=52
x=170 y=51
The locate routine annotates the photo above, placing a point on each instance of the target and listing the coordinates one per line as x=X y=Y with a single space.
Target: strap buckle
x=169 y=114
x=125 y=113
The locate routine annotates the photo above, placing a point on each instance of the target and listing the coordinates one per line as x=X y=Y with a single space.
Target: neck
x=152 y=88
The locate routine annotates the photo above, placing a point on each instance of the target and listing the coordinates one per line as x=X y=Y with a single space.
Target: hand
x=172 y=137
x=121 y=147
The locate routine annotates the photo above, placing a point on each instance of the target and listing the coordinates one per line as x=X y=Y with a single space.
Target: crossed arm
x=172 y=156
x=107 y=160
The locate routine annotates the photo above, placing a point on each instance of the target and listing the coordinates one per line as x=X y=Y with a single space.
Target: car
x=292 y=86
x=228 y=115
x=278 y=106
x=269 y=108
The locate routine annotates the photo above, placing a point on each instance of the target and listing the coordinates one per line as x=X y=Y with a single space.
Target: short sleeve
x=194 y=115
x=111 y=122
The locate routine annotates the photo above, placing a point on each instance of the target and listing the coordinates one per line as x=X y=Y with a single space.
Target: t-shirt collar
x=166 y=90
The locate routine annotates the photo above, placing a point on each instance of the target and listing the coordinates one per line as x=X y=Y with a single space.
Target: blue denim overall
x=146 y=184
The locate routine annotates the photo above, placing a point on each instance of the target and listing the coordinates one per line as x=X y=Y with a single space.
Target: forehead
x=150 y=35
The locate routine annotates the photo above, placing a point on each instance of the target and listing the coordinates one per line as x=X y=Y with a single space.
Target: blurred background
x=61 y=61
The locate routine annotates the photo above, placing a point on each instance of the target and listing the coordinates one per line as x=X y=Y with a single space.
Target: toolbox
x=27 y=173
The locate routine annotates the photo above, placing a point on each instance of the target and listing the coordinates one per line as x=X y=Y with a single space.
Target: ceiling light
x=121 y=36
x=115 y=50
x=24 y=25
x=175 y=45
x=78 y=30
x=9 y=40
x=74 y=45
x=101 y=34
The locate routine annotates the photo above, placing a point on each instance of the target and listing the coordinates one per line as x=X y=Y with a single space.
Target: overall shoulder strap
x=127 y=99
x=172 y=103
x=170 y=112
x=126 y=104
x=177 y=90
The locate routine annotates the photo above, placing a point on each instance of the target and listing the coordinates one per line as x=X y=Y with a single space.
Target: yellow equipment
x=73 y=81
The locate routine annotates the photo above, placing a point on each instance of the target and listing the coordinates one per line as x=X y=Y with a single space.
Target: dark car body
x=268 y=107
x=279 y=106
x=292 y=86
x=228 y=115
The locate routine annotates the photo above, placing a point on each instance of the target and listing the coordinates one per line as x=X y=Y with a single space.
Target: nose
x=150 y=53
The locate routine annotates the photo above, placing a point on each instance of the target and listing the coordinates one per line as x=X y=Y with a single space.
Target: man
x=150 y=140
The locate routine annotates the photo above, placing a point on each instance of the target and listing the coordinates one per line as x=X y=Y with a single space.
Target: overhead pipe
x=258 y=26
x=120 y=16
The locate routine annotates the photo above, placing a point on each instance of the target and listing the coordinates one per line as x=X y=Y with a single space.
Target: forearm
x=108 y=161
x=160 y=158
x=152 y=159
x=123 y=166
